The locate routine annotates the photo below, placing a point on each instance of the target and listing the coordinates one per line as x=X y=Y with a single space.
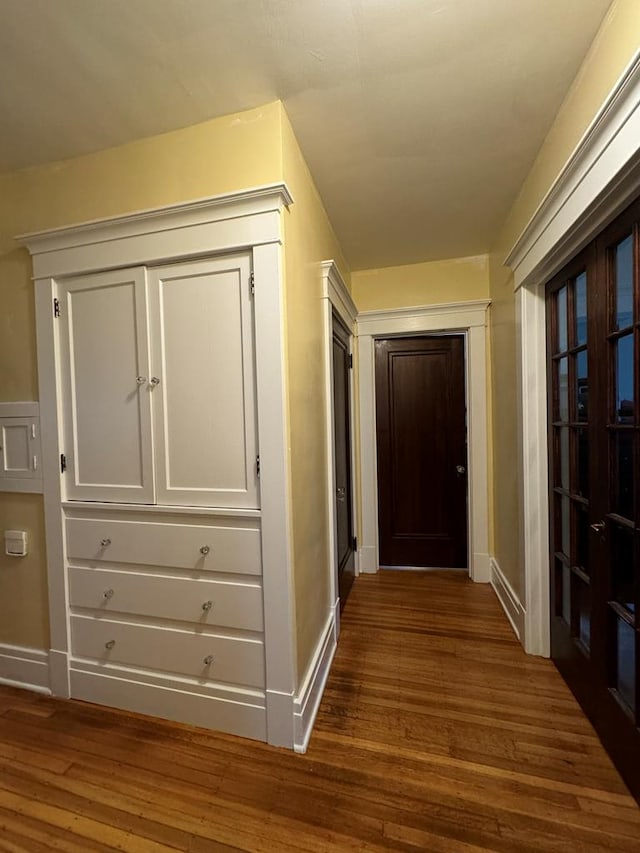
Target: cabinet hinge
x=56 y=307
x=252 y=283
x=354 y=544
x=63 y=463
x=258 y=467
x=350 y=361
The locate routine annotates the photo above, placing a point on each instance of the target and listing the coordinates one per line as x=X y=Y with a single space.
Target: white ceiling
x=419 y=118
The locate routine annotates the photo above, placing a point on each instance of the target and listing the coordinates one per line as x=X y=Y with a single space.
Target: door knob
x=598 y=527
x=460 y=469
x=341 y=494
x=141 y=380
x=154 y=381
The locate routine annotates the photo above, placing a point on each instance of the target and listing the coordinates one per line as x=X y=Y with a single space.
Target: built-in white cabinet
x=158 y=370
x=162 y=384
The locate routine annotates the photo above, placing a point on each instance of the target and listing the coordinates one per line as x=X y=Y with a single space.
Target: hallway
x=436 y=733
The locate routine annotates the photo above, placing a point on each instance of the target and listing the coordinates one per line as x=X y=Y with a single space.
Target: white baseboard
x=307 y=700
x=481 y=572
x=507 y=597
x=171 y=700
x=367 y=563
x=24 y=667
x=279 y=718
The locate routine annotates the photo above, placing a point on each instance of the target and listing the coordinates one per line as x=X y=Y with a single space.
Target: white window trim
x=469 y=318
x=598 y=181
x=336 y=297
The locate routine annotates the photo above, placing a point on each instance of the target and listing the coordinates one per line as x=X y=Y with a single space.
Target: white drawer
x=207 y=602
x=230 y=549
x=236 y=661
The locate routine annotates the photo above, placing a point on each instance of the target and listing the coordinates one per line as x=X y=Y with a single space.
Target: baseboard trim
x=24 y=667
x=367 y=563
x=507 y=597
x=481 y=571
x=173 y=701
x=307 y=700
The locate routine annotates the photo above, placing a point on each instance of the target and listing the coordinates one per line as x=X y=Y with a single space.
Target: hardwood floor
x=436 y=733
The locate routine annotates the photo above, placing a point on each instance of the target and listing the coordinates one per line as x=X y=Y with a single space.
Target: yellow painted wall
x=225 y=154
x=611 y=51
x=309 y=239
x=24 y=605
x=453 y=280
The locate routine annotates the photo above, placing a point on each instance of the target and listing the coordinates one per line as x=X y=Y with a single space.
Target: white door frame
x=336 y=297
x=470 y=318
x=598 y=181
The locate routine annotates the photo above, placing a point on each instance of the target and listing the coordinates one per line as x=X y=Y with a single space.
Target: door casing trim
x=600 y=178
x=336 y=297
x=469 y=318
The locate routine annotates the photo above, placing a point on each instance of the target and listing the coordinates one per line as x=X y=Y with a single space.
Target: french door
x=594 y=472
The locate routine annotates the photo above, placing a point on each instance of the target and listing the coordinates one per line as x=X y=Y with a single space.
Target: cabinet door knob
x=207 y=606
x=109 y=644
x=205 y=550
x=141 y=380
x=208 y=660
x=155 y=381
x=104 y=543
x=108 y=593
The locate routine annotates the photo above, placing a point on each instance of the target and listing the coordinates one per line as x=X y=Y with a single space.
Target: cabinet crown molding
x=200 y=226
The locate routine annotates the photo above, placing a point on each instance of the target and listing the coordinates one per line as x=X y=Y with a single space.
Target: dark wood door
x=422 y=451
x=594 y=344
x=342 y=456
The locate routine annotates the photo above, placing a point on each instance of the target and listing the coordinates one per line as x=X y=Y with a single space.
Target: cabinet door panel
x=204 y=404
x=104 y=349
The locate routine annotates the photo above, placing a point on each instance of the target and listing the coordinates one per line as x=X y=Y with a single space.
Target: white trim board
x=471 y=319
x=507 y=597
x=599 y=180
x=24 y=667
x=307 y=700
x=200 y=228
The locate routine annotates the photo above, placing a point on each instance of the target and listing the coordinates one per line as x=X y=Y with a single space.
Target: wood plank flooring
x=436 y=733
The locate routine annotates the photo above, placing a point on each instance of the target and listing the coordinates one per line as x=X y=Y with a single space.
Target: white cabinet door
x=202 y=355
x=105 y=364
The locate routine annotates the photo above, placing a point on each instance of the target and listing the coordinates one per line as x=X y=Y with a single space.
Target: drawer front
x=188 y=653
x=183 y=546
x=207 y=602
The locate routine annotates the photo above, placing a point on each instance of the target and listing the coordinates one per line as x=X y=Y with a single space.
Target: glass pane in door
x=626 y=662
x=624 y=282
x=624 y=379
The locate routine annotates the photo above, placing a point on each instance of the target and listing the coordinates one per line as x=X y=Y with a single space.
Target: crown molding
x=452 y=315
x=598 y=181
x=336 y=291
x=205 y=225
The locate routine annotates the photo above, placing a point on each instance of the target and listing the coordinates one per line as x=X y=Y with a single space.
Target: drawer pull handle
x=205 y=550
x=207 y=606
x=104 y=543
x=208 y=660
x=108 y=593
x=109 y=644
